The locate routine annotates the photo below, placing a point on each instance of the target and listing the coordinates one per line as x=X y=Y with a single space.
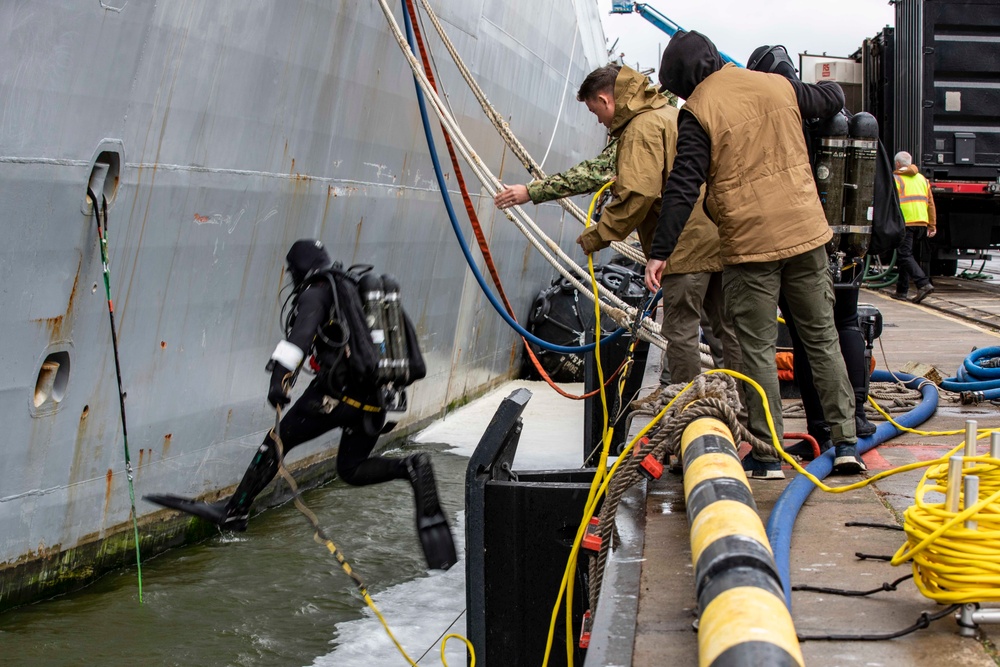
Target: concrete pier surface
x=823 y=548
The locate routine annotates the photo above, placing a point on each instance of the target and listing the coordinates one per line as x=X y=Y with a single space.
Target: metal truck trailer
x=934 y=84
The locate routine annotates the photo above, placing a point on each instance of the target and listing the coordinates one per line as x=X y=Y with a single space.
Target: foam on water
x=420 y=611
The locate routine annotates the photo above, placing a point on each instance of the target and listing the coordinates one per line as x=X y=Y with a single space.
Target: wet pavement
x=823 y=548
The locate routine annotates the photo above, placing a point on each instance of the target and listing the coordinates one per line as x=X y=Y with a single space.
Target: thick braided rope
x=521 y=220
x=709 y=396
x=626 y=476
x=508 y=136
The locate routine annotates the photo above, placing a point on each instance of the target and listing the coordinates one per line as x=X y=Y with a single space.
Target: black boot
x=863 y=427
x=432 y=526
x=258 y=475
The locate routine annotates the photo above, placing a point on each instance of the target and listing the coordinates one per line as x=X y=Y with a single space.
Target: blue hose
x=439 y=173
x=786 y=509
x=978 y=372
x=973 y=377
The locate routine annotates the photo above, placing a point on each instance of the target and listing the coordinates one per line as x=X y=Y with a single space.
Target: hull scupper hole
x=105 y=174
x=53 y=377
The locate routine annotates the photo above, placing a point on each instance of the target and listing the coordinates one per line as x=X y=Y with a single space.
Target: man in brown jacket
x=645 y=125
x=741 y=133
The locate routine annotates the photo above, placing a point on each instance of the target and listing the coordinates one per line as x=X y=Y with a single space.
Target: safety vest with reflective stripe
x=913 y=192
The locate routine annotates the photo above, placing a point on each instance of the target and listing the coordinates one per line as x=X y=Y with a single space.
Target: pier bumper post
x=743 y=616
x=519 y=531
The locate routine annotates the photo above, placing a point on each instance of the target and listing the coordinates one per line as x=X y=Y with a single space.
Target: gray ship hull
x=231 y=129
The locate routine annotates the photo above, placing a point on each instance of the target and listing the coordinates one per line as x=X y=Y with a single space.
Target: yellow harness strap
x=359 y=405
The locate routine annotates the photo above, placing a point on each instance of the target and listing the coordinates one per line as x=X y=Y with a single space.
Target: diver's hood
x=304 y=256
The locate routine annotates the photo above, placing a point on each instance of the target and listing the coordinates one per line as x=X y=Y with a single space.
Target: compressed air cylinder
x=399 y=358
x=830 y=162
x=373 y=298
x=862 y=151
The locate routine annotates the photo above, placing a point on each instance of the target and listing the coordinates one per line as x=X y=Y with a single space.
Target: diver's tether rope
x=103 y=245
x=321 y=538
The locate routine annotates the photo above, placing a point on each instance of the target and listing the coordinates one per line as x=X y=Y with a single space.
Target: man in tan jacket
x=645 y=126
x=741 y=133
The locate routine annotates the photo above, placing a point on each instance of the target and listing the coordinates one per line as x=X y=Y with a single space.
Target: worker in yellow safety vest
x=917 y=206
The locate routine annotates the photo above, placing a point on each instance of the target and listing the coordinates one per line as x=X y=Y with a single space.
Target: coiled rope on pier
x=706 y=396
x=618 y=310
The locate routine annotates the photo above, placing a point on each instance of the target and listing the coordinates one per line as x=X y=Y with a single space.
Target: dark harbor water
x=274 y=597
x=270 y=596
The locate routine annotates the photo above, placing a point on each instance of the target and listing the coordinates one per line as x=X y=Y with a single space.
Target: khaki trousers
x=751 y=295
x=684 y=297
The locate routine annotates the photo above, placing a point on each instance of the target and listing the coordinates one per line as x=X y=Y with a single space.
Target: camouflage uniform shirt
x=588 y=176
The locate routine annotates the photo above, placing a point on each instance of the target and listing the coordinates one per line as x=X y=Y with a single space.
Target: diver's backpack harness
x=367 y=341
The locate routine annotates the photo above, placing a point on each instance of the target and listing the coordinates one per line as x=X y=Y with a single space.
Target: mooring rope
x=619 y=311
x=510 y=139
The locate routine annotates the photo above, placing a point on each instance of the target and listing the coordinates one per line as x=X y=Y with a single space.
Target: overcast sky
x=739 y=26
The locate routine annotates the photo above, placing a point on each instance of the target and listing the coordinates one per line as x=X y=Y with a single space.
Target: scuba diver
x=846 y=250
x=328 y=321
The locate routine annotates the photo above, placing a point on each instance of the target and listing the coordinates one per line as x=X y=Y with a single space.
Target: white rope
x=518 y=149
x=516 y=215
x=562 y=100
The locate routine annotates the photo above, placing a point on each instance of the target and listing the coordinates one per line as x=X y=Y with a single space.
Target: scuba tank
x=373 y=297
x=859 y=199
x=829 y=167
x=399 y=358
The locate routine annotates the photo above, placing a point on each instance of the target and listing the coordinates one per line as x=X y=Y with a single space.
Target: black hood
x=689 y=59
x=304 y=256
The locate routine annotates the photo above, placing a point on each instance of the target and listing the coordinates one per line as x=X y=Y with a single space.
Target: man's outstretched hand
x=511 y=195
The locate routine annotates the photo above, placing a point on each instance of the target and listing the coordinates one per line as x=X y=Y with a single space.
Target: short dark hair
x=601 y=80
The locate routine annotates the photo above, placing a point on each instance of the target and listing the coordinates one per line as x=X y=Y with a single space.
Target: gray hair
x=903 y=160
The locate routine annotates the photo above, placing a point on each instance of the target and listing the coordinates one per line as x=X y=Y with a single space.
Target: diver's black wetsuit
x=332 y=400
x=316 y=413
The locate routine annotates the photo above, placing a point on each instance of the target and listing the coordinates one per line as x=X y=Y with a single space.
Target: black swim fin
x=432 y=525
x=212 y=512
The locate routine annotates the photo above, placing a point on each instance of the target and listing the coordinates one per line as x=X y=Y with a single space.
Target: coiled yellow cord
x=953 y=564
x=468 y=645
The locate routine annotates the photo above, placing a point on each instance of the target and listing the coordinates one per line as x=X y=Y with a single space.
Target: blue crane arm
x=661 y=21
